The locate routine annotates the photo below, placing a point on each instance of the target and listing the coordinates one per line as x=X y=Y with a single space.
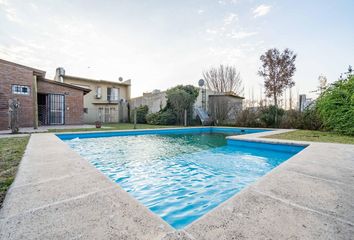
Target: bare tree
x=277 y=71
x=222 y=109
x=224 y=79
x=322 y=80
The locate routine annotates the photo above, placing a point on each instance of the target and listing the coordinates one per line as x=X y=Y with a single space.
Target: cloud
x=224 y=2
x=261 y=10
x=200 y=11
x=10 y=12
x=242 y=34
x=230 y=18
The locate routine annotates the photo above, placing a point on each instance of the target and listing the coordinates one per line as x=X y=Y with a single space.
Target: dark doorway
x=51 y=109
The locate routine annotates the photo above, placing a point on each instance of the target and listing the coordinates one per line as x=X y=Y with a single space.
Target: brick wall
x=74 y=100
x=12 y=74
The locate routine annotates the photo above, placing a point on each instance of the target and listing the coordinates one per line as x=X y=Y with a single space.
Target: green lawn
x=314 y=136
x=11 y=151
x=113 y=126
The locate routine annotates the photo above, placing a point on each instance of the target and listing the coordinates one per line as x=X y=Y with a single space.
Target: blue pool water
x=180 y=177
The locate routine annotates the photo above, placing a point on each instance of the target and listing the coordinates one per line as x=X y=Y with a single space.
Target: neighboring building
x=107 y=101
x=304 y=102
x=42 y=101
x=224 y=107
x=215 y=104
x=155 y=100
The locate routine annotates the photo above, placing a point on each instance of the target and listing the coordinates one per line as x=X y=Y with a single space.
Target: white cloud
x=224 y=2
x=211 y=31
x=261 y=10
x=10 y=12
x=242 y=34
x=230 y=18
x=200 y=11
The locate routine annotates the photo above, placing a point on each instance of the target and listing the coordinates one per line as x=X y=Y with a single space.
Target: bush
x=268 y=116
x=141 y=113
x=291 y=119
x=248 y=118
x=310 y=119
x=164 y=117
x=336 y=107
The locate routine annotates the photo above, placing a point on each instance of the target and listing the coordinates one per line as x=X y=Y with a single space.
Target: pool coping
x=273 y=201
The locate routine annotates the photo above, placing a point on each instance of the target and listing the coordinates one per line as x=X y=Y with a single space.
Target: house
x=108 y=100
x=41 y=101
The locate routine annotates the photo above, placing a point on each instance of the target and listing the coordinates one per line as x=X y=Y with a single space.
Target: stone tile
x=35 y=173
x=250 y=215
x=25 y=198
x=109 y=214
x=320 y=195
x=178 y=235
x=338 y=173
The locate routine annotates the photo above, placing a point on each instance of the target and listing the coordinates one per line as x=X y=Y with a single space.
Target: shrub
x=268 y=115
x=336 y=107
x=164 y=117
x=248 y=118
x=291 y=119
x=310 y=119
x=141 y=113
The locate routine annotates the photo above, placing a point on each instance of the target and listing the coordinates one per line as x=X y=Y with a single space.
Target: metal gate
x=56 y=110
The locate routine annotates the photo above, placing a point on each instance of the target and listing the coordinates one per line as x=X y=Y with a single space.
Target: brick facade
x=74 y=100
x=12 y=73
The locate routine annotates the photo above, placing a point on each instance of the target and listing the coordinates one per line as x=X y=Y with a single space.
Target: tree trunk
x=276 y=110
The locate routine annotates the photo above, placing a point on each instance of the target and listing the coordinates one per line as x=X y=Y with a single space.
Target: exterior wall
x=9 y=75
x=224 y=106
x=74 y=104
x=155 y=101
x=101 y=109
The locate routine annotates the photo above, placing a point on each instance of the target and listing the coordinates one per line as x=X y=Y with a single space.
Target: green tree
x=181 y=98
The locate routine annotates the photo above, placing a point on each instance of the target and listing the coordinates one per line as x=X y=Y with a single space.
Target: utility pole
x=134 y=118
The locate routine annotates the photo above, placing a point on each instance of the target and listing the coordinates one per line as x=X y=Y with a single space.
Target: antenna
x=201 y=82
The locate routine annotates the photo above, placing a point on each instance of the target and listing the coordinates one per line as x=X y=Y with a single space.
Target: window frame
x=18 y=89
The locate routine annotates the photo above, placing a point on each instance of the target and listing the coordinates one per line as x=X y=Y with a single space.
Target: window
x=112 y=94
x=98 y=92
x=85 y=110
x=20 y=89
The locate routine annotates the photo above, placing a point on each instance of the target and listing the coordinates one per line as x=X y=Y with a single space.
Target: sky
x=159 y=43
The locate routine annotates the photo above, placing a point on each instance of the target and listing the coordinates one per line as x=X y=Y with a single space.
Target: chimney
x=59 y=74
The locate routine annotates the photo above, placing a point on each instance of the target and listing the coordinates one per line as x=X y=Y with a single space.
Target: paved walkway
x=59 y=195
x=41 y=129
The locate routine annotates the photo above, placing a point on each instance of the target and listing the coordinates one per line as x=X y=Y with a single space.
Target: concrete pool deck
x=59 y=195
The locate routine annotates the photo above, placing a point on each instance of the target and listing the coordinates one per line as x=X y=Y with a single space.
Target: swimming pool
x=180 y=174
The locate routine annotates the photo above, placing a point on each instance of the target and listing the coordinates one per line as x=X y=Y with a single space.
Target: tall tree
x=223 y=79
x=277 y=69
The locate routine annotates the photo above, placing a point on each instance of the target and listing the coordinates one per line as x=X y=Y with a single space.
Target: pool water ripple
x=179 y=177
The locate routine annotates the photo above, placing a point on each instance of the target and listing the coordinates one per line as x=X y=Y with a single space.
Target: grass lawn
x=114 y=126
x=314 y=136
x=11 y=151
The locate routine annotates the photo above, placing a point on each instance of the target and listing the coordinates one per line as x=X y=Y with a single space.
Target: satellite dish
x=201 y=83
x=120 y=79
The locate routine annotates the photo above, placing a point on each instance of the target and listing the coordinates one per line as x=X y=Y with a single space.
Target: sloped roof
x=85 y=90
x=36 y=72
